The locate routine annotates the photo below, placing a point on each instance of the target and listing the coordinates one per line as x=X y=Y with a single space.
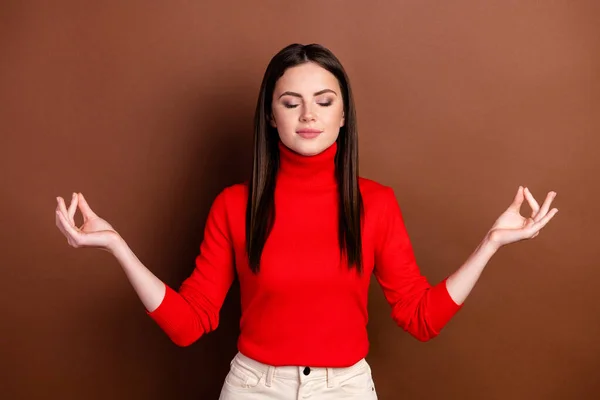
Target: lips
x=309 y=133
x=308 y=130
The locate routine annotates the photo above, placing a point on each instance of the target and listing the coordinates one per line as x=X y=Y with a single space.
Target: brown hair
x=260 y=210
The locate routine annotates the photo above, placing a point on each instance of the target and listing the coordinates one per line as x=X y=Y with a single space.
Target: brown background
x=146 y=107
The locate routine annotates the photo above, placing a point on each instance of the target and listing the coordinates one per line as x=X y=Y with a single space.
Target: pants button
x=306 y=370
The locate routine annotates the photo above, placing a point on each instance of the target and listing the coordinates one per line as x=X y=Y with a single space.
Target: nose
x=307 y=115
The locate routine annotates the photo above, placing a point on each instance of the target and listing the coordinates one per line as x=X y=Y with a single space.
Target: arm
x=185 y=314
x=193 y=310
x=461 y=282
x=510 y=227
x=98 y=233
x=148 y=287
x=422 y=309
x=418 y=307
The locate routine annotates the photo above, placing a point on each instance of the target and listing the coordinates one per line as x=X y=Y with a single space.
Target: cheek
x=277 y=116
x=283 y=119
x=334 y=117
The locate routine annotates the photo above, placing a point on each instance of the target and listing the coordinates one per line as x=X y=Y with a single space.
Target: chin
x=310 y=147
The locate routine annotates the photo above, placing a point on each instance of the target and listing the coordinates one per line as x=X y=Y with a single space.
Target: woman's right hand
x=95 y=232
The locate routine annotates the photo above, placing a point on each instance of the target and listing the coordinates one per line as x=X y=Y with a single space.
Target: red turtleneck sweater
x=305 y=307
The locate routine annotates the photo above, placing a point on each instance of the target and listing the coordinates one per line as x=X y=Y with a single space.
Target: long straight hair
x=260 y=209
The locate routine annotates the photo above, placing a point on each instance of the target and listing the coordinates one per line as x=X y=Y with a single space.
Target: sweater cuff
x=441 y=306
x=166 y=315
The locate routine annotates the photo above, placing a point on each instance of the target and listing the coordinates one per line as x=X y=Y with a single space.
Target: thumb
x=85 y=208
x=518 y=200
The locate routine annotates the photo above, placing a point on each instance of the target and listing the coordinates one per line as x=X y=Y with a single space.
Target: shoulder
x=375 y=193
x=235 y=192
x=232 y=197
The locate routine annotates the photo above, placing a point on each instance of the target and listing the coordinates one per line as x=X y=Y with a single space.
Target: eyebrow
x=315 y=94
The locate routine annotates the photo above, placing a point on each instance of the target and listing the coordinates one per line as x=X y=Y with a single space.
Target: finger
x=518 y=200
x=59 y=222
x=60 y=226
x=546 y=206
x=539 y=225
x=532 y=229
x=62 y=207
x=72 y=209
x=535 y=207
x=85 y=208
x=62 y=223
x=528 y=223
x=74 y=236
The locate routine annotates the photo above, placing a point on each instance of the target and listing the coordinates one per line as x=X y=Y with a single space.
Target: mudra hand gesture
x=512 y=227
x=95 y=232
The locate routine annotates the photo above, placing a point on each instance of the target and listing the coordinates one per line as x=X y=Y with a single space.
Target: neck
x=314 y=171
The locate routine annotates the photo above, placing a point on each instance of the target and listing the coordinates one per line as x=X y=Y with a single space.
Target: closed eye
x=324 y=104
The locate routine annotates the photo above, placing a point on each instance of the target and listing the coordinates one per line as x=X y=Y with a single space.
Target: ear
x=272 y=121
x=343 y=120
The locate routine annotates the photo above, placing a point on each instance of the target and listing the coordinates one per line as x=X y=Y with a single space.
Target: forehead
x=307 y=78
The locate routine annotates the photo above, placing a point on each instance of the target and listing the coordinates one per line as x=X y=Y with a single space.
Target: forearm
x=461 y=282
x=149 y=288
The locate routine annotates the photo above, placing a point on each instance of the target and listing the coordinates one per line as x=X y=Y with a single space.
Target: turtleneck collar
x=314 y=171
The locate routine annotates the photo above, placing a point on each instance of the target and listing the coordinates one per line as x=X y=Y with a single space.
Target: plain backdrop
x=146 y=107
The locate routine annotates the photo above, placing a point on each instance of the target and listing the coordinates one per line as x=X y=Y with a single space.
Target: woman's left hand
x=512 y=227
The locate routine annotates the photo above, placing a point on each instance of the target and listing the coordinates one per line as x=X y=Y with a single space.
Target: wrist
x=116 y=245
x=490 y=243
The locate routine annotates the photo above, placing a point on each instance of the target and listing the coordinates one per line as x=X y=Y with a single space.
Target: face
x=308 y=109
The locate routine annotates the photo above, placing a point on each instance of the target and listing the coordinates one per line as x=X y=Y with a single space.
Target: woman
x=304 y=236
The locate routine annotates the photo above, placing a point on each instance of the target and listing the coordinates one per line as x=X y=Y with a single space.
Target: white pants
x=249 y=379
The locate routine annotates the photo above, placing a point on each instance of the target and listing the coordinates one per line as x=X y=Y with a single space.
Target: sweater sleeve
x=193 y=310
x=418 y=307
